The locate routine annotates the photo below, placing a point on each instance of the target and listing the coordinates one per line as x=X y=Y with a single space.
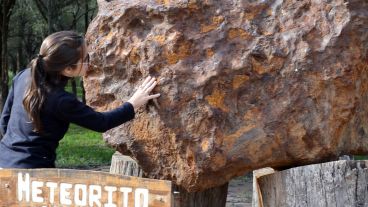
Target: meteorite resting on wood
x=244 y=84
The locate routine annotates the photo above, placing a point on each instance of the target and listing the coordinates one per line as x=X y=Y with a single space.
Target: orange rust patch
x=91 y=95
x=217 y=19
x=106 y=38
x=216 y=99
x=258 y=67
x=94 y=72
x=239 y=80
x=269 y=12
x=273 y=64
x=267 y=33
x=160 y=39
x=209 y=52
x=250 y=16
x=100 y=100
x=230 y=139
x=134 y=56
x=238 y=33
x=205 y=145
x=146 y=130
x=165 y=2
x=277 y=63
x=253 y=11
x=208 y=28
x=297 y=130
x=193 y=5
x=157 y=68
x=109 y=36
x=215 y=23
x=190 y=157
x=252 y=115
x=142 y=128
x=252 y=120
x=182 y=52
x=218 y=161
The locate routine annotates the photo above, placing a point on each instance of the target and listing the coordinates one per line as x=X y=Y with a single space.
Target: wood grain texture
x=159 y=190
x=213 y=197
x=339 y=184
x=125 y=165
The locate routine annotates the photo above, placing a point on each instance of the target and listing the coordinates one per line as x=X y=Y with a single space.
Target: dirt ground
x=239 y=191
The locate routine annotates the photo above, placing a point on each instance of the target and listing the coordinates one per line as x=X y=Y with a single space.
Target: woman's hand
x=141 y=96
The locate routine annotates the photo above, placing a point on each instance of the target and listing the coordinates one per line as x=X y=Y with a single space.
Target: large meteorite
x=244 y=84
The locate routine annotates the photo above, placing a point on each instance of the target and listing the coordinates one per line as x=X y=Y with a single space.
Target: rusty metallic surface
x=244 y=84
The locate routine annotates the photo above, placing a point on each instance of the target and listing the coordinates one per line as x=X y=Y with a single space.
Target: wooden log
x=213 y=197
x=339 y=183
x=124 y=165
x=66 y=187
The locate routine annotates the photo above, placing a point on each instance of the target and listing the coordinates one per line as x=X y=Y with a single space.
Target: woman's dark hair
x=58 y=51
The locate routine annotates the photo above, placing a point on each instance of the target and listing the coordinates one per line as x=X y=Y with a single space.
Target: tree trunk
x=74 y=86
x=339 y=183
x=86 y=19
x=6 y=10
x=13 y=62
x=214 y=197
x=50 y=16
x=20 y=54
x=83 y=91
x=86 y=23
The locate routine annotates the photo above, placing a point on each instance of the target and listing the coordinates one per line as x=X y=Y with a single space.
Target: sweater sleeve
x=70 y=109
x=5 y=115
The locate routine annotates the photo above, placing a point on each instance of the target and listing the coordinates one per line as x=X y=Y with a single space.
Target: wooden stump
x=213 y=197
x=124 y=165
x=339 y=183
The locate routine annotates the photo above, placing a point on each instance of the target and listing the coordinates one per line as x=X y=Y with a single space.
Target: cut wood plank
x=63 y=187
x=339 y=183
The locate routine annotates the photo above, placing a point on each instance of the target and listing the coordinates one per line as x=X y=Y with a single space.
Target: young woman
x=38 y=110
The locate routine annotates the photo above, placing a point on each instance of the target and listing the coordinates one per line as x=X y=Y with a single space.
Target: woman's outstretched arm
x=70 y=109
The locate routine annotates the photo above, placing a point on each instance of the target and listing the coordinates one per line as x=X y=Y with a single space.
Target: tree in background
x=5 y=13
x=67 y=15
x=26 y=34
x=33 y=20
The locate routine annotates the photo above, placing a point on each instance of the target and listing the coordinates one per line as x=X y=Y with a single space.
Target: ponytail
x=58 y=51
x=36 y=93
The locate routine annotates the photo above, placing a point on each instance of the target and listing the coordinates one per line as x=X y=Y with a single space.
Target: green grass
x=68 y=88
x=361 y=157
x=82 y=148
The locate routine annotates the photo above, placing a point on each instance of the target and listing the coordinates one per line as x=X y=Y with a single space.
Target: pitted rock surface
x=244 y=84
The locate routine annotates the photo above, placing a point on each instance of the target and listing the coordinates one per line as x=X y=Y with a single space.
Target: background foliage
x=23 y=26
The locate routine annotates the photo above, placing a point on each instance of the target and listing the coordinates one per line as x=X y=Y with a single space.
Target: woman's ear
x=68 y=72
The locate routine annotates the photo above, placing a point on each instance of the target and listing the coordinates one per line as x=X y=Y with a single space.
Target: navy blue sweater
x=21 y=147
